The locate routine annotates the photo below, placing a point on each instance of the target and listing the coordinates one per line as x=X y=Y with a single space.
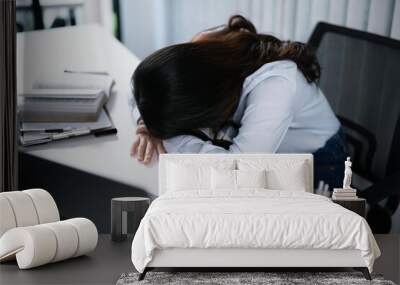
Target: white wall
x=151 y=24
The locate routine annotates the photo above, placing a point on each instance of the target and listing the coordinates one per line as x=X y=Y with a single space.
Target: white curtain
x=148 y=25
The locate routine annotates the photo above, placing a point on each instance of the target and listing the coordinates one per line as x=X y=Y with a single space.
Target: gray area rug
x=233 y=278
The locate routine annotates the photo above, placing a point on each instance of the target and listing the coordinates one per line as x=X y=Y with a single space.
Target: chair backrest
x=360 y=78
x=271 y=161
x=26 y=208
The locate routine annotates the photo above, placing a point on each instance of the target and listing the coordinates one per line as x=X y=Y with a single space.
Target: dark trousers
x=329 y=162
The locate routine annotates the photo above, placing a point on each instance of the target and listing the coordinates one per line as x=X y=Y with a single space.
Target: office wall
x=98 y=11
x=83 y=11
x=151 y=24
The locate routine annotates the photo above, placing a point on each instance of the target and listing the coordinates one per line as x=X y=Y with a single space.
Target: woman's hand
x=145 y=145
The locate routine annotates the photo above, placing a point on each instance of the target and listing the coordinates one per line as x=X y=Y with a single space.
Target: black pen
x=45 y=130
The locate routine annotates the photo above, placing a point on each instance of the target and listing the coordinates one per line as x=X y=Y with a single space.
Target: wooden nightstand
x=357 y=206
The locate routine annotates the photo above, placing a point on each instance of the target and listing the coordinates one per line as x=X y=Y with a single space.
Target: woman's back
x=314 y=122
x=290 y=114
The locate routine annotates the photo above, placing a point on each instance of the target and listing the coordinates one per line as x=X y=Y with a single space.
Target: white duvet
x=250 y=219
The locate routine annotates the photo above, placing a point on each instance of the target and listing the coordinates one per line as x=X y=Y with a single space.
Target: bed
x=247 y=211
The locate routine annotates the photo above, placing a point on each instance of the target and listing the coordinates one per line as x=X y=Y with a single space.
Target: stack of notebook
x=71 y=97
x=344 y=194
x=65 y=106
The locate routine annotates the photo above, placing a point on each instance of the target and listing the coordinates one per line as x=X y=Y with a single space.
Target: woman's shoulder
x=285 y=69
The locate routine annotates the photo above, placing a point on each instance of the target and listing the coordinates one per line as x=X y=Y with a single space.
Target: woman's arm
x=268 y=114
x=145 y=145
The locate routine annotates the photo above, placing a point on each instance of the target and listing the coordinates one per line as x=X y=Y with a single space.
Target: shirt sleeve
x=268 y=114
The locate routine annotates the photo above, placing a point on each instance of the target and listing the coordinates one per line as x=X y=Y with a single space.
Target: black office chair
x=360 y=78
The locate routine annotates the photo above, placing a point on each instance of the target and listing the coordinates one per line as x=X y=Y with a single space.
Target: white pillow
x=292 y=179
x=186 y=177
x=225 y=179
x=281 y=174
x=251 y=178
x=189 y=175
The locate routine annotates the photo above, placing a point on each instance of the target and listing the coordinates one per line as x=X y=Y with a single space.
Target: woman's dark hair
x=183 y=88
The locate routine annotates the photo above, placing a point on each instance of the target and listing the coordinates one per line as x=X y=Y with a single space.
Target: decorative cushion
x=281 y=174
x=185 y=175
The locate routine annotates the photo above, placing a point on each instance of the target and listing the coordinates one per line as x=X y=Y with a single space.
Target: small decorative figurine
x=347 y=174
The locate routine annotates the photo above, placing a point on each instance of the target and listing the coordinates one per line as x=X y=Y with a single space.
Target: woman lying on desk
x=232 y=90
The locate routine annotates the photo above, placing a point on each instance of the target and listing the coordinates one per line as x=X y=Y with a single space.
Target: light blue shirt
x=278 y=112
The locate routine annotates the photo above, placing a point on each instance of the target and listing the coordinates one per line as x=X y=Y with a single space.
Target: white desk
x=44 y=53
